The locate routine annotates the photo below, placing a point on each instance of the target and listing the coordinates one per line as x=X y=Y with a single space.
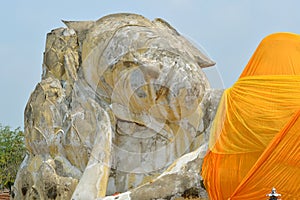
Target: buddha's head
x=149 y=77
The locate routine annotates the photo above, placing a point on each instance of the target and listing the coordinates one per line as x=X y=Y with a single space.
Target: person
x=273 y=195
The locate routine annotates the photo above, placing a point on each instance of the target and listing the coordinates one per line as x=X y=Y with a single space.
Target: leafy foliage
x=12 y=152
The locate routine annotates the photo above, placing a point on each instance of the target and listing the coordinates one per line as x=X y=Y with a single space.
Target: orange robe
x=255 y=138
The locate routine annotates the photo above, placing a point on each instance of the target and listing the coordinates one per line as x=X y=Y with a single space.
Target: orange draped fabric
x=254 y=141
x=277 y=54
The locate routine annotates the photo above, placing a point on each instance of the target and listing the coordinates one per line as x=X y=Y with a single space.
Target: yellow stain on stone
x=35 y=164
x=131 y=180
x=150 y=178
x=102 y=184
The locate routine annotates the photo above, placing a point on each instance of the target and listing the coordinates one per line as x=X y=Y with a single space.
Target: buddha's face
x=150 y=77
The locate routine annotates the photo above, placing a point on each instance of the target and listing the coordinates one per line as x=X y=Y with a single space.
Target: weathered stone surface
x=120 y=100
x=184 y=174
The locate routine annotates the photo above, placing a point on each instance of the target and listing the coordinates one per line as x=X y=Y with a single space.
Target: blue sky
x=229 y=31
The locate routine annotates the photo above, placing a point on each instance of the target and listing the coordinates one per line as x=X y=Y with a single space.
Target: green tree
x=12 y=152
